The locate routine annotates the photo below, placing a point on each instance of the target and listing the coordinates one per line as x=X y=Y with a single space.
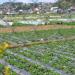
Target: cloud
x=47 y=0
x=25 y=1
x=28 y=1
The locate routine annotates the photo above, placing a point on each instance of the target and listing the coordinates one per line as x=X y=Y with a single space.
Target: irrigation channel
x=15 y=44
x=40 y=41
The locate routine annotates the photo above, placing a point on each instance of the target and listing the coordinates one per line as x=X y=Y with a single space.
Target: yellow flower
x=1 y=51
x=6 y=45
x=7 y=70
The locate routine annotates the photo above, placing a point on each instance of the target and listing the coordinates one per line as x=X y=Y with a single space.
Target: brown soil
x=31 y=28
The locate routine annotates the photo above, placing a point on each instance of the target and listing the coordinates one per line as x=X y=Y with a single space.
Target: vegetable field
x=52 y=58
x=1 y=70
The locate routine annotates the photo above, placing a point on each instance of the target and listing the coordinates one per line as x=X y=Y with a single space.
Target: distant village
x=18 y=8
x=23 y=8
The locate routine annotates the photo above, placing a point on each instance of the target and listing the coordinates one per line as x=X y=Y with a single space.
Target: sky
x=27 y=1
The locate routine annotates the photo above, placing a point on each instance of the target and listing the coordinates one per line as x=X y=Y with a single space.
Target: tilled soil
x=31 y=28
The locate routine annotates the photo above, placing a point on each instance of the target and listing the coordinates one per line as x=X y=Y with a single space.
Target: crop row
x=2 y=70
x=54 y=22
x=34 y=69
x=59 y=55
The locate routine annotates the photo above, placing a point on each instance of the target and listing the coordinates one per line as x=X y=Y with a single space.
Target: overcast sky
x=28 y=1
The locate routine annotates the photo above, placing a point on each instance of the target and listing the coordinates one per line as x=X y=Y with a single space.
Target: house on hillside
x=36 y=10
x=71 y=9
x=56 y=10
x=1 y=12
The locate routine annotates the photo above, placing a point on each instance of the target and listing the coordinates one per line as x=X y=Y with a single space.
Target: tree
x=64 y=4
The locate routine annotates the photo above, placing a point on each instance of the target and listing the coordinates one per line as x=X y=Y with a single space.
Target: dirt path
x=31 y=28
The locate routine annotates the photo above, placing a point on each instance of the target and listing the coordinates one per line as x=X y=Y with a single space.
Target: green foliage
x=64 y=4
x=58 y=55
x=68 y=23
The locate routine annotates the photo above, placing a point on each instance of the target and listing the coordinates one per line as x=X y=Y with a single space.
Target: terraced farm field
x=51 y=58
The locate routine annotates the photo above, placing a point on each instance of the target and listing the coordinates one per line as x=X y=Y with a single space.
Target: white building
x=54 y=9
